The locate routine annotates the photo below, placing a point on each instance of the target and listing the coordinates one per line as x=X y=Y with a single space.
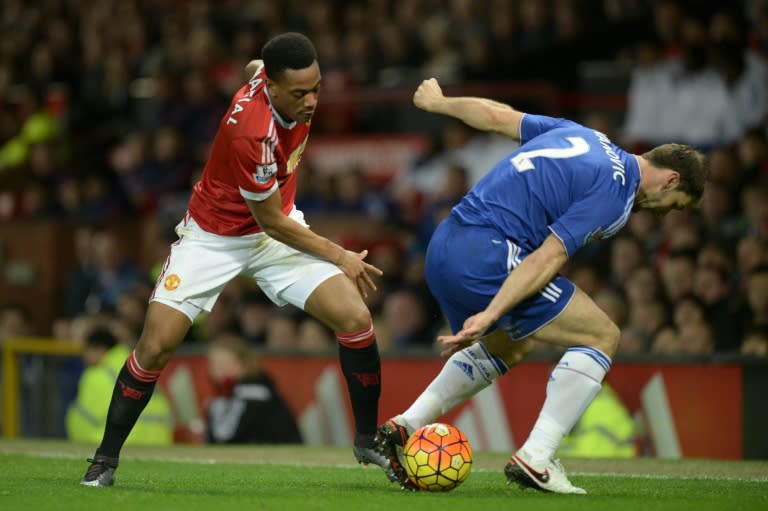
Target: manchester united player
x=242 y=221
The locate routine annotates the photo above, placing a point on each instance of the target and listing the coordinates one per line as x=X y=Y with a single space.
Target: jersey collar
x=285 y=124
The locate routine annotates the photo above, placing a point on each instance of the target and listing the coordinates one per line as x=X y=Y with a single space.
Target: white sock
x=464 y=374
x=572 y=386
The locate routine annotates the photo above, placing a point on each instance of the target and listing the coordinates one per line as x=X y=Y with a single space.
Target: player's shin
x=464 y=374
x=361 y=365
x=572 y=386
x=133 y=389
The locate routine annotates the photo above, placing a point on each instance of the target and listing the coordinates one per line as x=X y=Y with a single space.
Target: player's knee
x=516 y=352
x=153 y=354
x=608 y=341
x=526 y=347
x=354 y=320
x=156 y=346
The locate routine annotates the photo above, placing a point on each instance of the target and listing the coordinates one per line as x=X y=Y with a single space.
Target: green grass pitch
x=43 y=475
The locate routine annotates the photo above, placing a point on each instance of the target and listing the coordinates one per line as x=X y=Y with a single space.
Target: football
x=437 y=457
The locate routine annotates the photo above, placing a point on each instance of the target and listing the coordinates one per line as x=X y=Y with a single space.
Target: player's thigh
x=581 y=323
x=338 y=303
x=198 y=267
x=321 y=289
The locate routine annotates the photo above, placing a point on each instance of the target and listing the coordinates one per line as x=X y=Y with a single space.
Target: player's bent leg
x=582 y=323
x=337 y=303
x=164 y=329
x=591 y=339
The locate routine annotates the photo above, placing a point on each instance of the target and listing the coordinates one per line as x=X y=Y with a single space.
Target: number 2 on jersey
x=523 y=160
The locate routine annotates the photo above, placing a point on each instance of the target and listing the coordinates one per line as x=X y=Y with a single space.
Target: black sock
x=129 y=398
x=362 y=370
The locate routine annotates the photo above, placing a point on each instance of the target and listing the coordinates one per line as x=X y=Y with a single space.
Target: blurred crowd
x=108 y=110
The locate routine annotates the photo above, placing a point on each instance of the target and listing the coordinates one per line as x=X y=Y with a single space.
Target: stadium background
x=108 y=109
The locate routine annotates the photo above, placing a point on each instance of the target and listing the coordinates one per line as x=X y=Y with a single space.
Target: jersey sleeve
x=590 y=218
x=532 y=126
x=253 y=164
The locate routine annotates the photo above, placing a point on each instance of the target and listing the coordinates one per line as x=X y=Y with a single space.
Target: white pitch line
x=211 y=461
x=759 y=479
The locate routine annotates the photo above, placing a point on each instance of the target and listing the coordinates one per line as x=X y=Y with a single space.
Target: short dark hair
x=100 y=337
x=759 y=270
x=691 y=164
x=290 y=50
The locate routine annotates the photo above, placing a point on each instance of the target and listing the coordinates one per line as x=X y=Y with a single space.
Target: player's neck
x=647 y=176
x=652 y=181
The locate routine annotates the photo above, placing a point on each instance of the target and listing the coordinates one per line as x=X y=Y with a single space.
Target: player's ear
x=672 y=180
x=273 y=87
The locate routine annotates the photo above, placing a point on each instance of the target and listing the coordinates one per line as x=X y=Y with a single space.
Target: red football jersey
x=255 y=151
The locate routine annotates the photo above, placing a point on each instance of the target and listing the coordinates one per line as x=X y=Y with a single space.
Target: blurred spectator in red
x=247 y=407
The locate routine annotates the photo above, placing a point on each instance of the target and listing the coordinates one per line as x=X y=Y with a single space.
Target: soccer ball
x=437 y=457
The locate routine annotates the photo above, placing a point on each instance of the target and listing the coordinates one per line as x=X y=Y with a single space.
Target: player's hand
x=474 y=328
x=354 y=267
x=428 y=95
x=451 y=347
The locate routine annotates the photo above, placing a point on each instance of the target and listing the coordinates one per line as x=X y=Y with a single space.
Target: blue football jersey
x=564 y=178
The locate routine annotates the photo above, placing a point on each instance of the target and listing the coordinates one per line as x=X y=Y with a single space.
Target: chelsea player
x=493 y=266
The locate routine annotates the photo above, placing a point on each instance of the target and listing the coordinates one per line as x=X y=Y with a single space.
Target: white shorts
x=201 y=264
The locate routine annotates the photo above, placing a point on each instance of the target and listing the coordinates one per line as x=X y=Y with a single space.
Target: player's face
x=295 y=93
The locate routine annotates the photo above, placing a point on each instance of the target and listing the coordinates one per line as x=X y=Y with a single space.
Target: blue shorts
x=465 y=268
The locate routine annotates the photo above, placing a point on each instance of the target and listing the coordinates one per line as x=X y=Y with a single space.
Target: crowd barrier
x=685 y=409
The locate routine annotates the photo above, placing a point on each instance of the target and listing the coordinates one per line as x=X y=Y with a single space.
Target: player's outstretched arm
x=480 y=113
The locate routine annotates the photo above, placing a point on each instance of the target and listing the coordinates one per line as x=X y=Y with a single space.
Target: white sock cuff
x=587 y=360
x=488 y=365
